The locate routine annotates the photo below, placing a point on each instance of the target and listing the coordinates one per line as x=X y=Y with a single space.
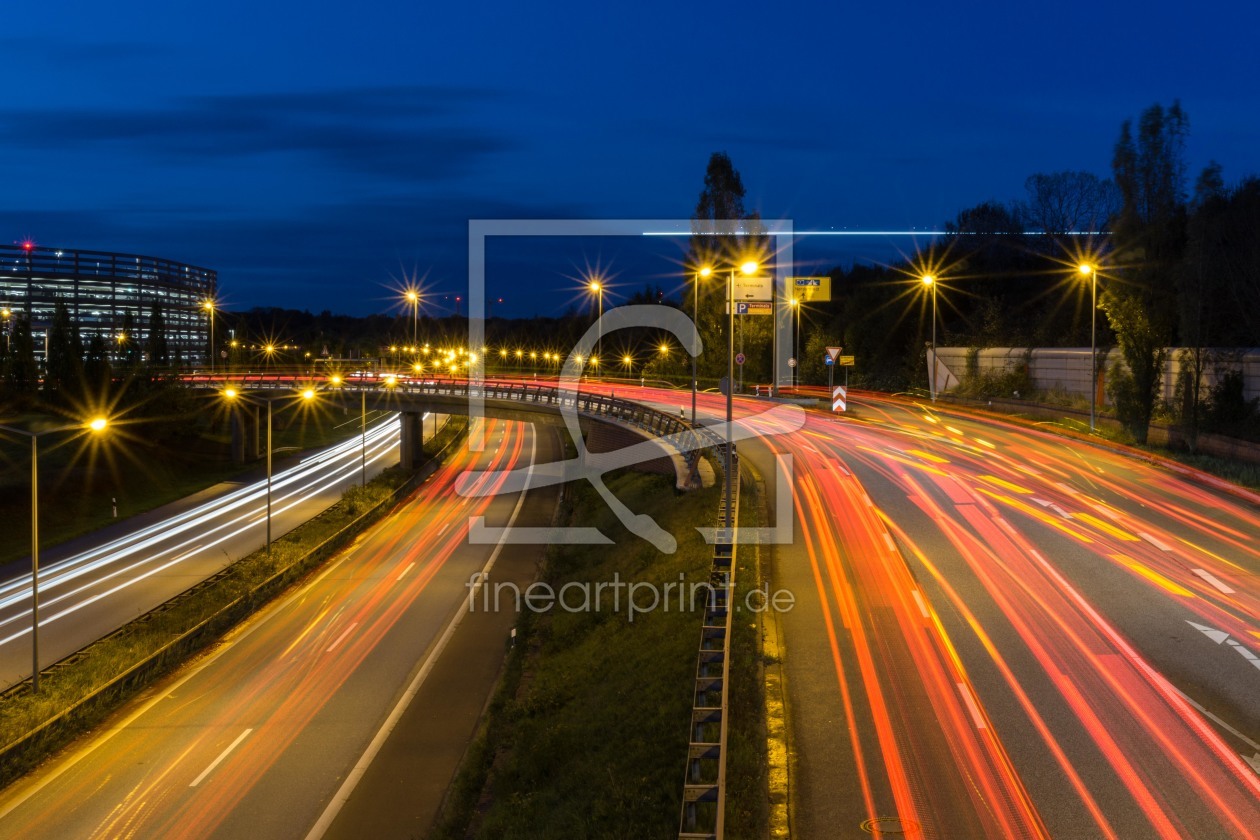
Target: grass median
x=587 y=733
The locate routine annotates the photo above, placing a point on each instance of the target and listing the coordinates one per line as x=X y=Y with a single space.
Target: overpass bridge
x=605 y=423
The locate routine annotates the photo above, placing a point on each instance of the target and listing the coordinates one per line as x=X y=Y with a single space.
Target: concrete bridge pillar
x=246 y=437
x=411 y=451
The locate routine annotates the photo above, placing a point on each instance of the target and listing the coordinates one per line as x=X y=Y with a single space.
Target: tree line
x=1176 y=267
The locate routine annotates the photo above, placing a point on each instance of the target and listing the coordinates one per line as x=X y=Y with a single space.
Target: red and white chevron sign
x=838 y=398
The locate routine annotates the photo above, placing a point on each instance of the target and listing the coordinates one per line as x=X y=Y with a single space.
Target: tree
x=97 y=370
x=22 y=375
x=63 y=360
x=1143 y=346
x=1140 y=301
x=128 y=343
x=723 y=235
x=1061 y=202
x=157 y=347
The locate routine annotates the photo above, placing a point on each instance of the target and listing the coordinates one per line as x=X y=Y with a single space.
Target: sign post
x=830 y=362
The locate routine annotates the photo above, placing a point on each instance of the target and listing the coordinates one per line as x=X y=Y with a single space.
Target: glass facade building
x=100 y=288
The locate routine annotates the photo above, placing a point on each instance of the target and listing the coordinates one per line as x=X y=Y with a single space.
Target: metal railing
x=675 y=430
x=704 y=784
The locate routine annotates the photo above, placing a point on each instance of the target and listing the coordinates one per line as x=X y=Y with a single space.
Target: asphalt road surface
x=259 y=737
x=92 y=586
x=1005 y=633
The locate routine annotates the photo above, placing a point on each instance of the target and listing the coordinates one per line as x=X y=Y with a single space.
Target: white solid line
x=892 y=546
x=1160 y=545
x=1219 y=722
x=403 y=573
x=444 y=527
x=347 y=787
x=167 y=691
x=1212 y=579
x=222 y=756
x=971 y=706
x=190 y=551
x=342 y=637
x=918 y=599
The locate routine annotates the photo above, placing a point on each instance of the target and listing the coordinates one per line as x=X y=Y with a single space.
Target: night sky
x=317 y=155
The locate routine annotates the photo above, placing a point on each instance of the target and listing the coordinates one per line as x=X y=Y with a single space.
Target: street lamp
x=97 y=424
x=705 y=272
x=1092 y=271
x=749 y=268
x=598 y=289
x=7 y=314
x=232 y=394
x=796 y=334
x=208 y=305
x=930 y=282
x=628 y=361
x=414 y=297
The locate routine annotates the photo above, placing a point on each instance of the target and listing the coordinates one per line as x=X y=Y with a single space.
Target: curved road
x=1006 y=633
x=259 y=737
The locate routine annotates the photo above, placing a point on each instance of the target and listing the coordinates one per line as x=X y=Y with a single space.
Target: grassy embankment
x=587 y=733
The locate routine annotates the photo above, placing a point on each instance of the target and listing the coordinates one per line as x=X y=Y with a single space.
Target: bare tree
x=1061 y=202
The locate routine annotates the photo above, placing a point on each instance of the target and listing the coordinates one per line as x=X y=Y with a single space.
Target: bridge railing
x=675 y=430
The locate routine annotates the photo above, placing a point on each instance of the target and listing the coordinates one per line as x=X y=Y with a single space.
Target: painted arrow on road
x=1220 y=636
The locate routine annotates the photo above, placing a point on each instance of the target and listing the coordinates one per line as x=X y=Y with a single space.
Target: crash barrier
x=704 y=785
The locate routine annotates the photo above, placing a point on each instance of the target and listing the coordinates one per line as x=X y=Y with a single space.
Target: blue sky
x=316 y=153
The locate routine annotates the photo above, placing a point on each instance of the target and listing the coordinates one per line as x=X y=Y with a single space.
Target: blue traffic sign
x=827 y=360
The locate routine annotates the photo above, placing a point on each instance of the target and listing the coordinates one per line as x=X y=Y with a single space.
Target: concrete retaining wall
x=1067 y=368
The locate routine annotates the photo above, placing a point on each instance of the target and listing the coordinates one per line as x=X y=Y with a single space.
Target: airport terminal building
x=101 y=288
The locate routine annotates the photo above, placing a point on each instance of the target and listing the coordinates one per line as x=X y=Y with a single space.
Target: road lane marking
x=971 y=706
x=444 y=527
x=1160 y=545
x=222 y=756
x=892 y=546
x=918 y=599
x=1212 y=579
x=251 y=626
x=190 y=551
x=1014 y=488
x=1106 y=527
x=343 y=793
x=342 y=637
x=403 y=573
x=1153 y=576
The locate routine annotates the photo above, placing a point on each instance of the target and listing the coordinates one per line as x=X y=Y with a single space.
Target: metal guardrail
x=704 y=784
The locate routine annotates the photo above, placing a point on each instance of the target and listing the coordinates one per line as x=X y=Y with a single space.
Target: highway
x=89 y=587
x=1007 y=633
x=259 y=737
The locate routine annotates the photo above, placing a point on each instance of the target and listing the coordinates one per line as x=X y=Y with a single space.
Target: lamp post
x=307 y=395
x=96 y=425
x=208 y=305
x=796 y=335
x=749 y=268
x=414 y=297
x=598 y=289
x=704 y=273
x=1092 y=271
x=930 y=282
